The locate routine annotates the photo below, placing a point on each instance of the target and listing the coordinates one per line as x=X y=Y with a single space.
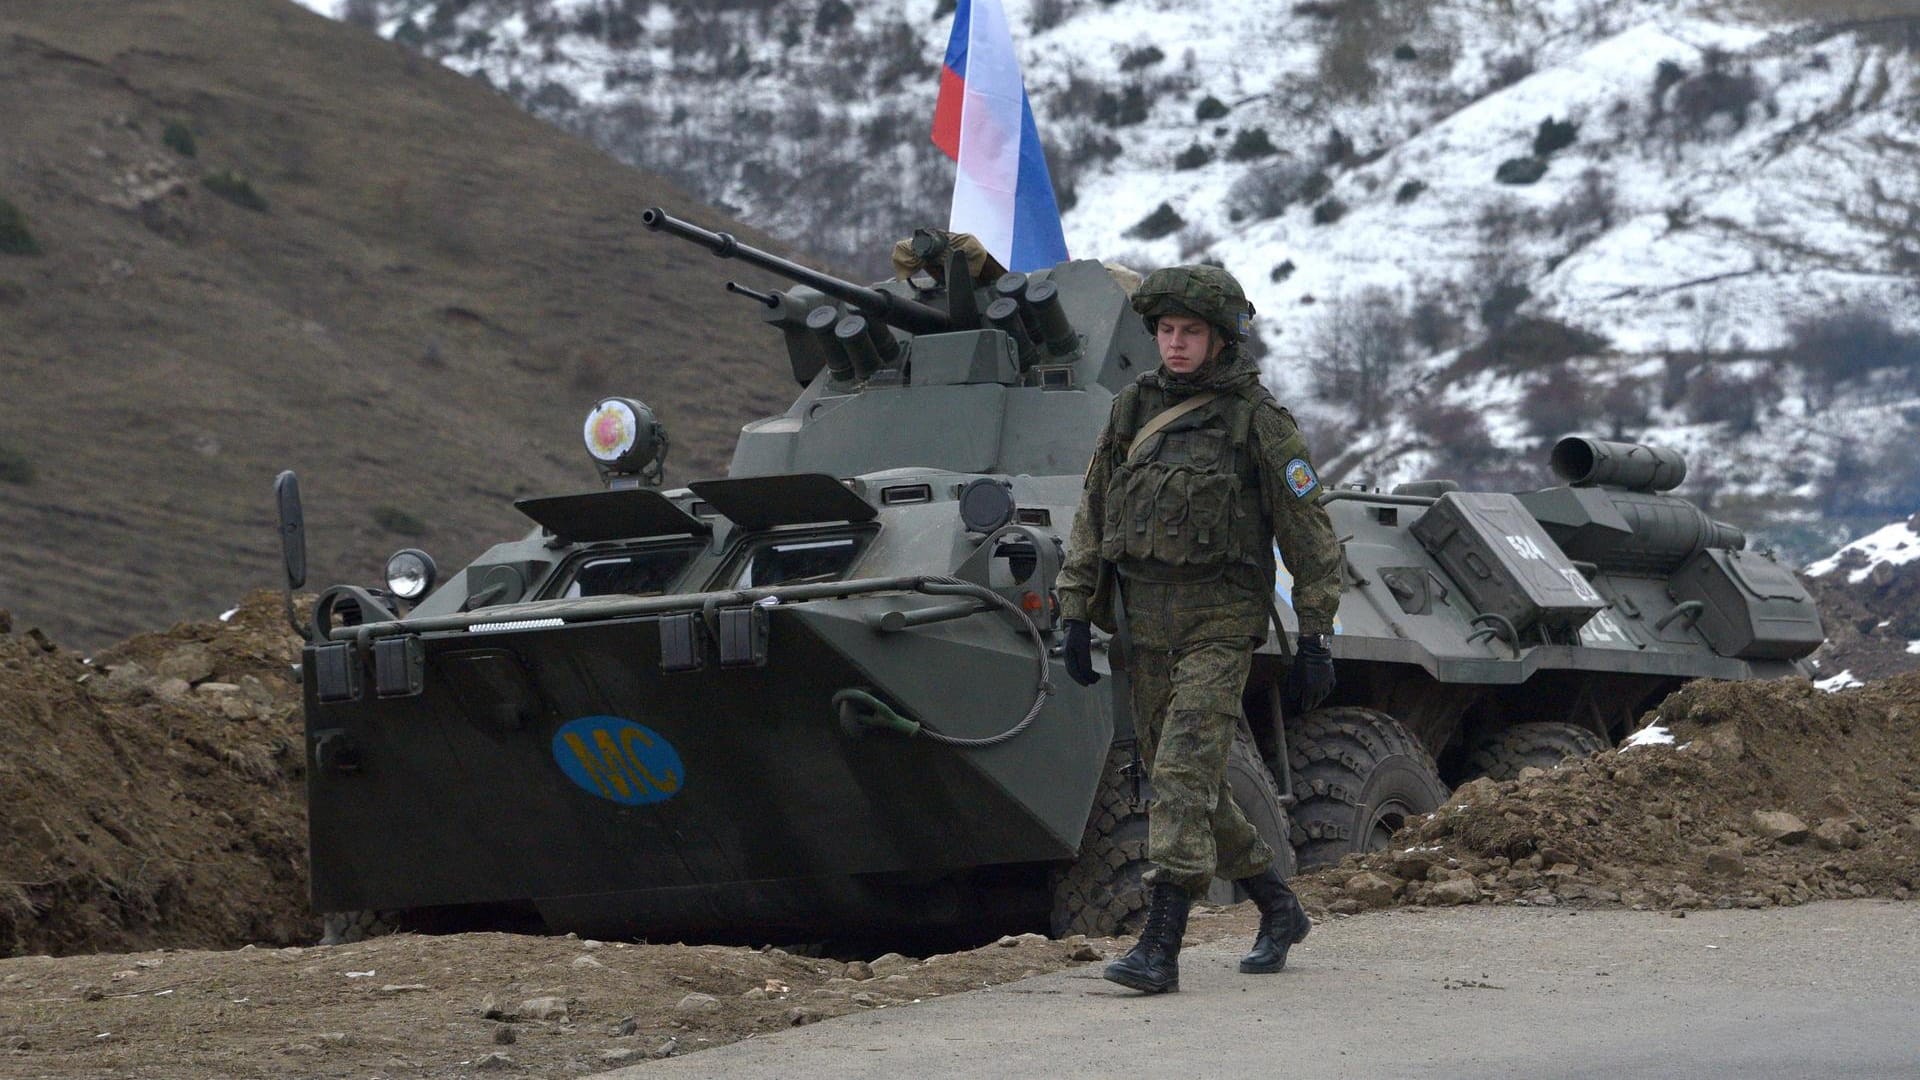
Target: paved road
x=1828 y=990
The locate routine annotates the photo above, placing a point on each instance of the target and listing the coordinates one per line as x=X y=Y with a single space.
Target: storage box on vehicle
x=1505 y=563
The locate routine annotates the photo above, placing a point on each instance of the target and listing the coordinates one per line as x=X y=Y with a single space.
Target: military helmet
x=1200 y=291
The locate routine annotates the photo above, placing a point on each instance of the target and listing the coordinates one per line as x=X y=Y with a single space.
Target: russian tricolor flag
x=1001 y=192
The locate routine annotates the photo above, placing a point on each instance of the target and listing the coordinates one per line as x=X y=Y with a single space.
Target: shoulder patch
x=1301 y=479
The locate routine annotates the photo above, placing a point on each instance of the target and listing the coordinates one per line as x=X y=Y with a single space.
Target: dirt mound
x=1772 y=793
x=153 y=795
x=457 y=1006
x=1871 y=610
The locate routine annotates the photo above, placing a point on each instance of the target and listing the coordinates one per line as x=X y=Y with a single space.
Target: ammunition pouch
x=1182 y=501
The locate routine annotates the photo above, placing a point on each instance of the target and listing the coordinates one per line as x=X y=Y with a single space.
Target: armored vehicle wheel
x=1258 y=797
x=1101 y=894
x=1359 y=776
x=347 y=927
x=1504 y=753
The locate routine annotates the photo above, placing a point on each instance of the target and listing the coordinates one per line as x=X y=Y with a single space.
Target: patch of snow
x=1842 y=681
x=1913 y=646
x=227 y=615
x=1896 y=543
x=1651 y=735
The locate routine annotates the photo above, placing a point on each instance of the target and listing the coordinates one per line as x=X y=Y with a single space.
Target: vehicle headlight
x=410 y=573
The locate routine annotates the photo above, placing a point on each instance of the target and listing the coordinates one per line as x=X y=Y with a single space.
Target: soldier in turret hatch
x=1196 y=476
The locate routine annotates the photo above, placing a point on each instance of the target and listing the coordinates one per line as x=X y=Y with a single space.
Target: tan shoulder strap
x=1153 y=426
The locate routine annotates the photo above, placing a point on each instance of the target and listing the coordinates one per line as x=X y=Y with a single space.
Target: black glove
x=1310 y=679
x=1077 y=651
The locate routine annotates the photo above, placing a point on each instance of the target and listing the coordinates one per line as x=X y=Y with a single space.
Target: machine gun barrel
x=908 y=315
x=767 y=299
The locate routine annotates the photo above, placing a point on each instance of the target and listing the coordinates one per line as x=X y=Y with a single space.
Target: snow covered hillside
x=1469 y=225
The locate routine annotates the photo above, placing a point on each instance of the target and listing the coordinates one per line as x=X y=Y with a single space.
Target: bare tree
x=1359 y=351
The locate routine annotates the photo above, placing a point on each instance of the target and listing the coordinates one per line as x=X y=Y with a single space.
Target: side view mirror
x=293 y=537
x=293 y=541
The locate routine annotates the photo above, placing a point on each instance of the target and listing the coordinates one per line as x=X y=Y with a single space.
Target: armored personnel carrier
x=821 y=695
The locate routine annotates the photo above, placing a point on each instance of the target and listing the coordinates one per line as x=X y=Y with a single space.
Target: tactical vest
x=1186 y=505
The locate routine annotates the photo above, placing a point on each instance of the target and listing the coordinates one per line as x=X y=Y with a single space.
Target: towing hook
x=858 y=709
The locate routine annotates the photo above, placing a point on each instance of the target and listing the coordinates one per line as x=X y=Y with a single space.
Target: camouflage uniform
x=1189 y=524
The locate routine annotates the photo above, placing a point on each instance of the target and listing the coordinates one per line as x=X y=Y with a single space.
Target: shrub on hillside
x=1665 y=77
x=1346 y=57
x=1717 y=395
x=1520 y=171
x=1251 y=144
x=179 y=138
x=15 y=467
x=1703 y=101
x=1266 y=191
x=1141 y=58
x=1557 y=403
x=1591 y=204
x=1532 y=343
x=1409 y=191
x=1164 y=221
x=1124 y=109
x=1092 y=144
x=832 y=16
x=1554 y=136
x=1196 y=245
x=236 y=189
x=1434 y=325
x=1626 y=408
x=1192 y=157
x=15 y=239
x=1503 y=220
x=1503 y=299
x=1850 y=344
x=1210 y=108
x=1329 y=211
x=1509 y=70
x=1044 y=15
x=1455 y=435
x=399 y=522
x=1338 y=149
x=1871 y=479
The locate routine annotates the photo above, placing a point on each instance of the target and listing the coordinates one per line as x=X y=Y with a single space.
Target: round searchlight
x=625 y=439
x=410 y=574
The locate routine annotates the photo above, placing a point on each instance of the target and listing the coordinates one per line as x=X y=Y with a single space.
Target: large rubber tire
x=1259 y=798
x=1540 y=745
x=347 y=927
x=1359 y=776
x=1102 y=893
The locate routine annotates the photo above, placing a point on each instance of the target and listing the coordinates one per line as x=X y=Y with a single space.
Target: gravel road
x=1825 y=990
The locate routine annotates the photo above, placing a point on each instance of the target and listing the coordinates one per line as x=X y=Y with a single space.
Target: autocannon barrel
x=908 y=315
x=1585 y=462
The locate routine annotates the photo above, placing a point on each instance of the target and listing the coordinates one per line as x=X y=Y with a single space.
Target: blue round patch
x=618 y=760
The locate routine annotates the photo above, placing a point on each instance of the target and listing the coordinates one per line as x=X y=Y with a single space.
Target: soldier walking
x=1196 y=476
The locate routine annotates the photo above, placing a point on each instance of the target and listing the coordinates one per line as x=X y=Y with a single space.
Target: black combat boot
x=1153 y=967
x=1283 y=923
